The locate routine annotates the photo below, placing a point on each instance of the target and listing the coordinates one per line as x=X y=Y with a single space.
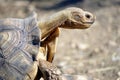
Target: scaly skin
x=70 y=18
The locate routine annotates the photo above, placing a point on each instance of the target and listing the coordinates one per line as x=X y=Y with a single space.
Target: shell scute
x=19 y=41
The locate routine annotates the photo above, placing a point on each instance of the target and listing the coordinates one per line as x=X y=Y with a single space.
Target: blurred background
x=94 y=52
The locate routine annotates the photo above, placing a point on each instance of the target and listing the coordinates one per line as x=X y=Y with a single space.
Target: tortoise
x=27 y=46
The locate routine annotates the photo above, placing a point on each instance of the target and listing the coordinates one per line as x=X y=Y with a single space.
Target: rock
x=76 y=77
x=112 y=43
x=83 y=46
x=41 y=79
x=119 y=73
x=118 y=78
x=116 y=56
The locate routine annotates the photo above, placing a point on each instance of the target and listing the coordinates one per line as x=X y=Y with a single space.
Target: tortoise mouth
x=77 y=25
x=88 y=22
x=82 y=24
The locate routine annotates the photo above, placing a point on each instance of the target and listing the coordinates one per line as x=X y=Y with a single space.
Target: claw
x=49 y=71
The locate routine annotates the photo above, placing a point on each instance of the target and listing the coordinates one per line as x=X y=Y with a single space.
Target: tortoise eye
x=77 y=17
x=35 y=40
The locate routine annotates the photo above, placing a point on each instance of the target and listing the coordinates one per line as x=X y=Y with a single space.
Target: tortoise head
x=78 y=19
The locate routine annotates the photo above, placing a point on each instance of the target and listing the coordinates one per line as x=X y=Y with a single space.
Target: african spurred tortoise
x=24 y=55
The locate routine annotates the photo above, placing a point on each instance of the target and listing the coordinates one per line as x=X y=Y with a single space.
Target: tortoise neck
x=49 y=24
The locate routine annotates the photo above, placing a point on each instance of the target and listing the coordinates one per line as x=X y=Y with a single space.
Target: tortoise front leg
x=50 y=44
x=49 y=71
x=51 y=50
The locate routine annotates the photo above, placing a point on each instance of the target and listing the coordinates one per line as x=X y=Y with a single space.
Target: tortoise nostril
x=88 y=16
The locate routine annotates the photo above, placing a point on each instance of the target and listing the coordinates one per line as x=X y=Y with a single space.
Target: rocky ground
x=93 y=53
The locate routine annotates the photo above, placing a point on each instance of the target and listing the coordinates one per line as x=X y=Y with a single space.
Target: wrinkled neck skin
x=49 y=24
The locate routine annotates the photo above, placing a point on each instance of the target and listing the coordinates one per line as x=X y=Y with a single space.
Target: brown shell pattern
x=19 y=44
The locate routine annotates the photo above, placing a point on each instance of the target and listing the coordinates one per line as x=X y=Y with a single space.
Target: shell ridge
x=17 y=35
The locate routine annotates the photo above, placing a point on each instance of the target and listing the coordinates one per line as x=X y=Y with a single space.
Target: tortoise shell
x=19 y=44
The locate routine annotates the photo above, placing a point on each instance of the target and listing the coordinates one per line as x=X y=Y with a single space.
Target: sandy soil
x=94 y=52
